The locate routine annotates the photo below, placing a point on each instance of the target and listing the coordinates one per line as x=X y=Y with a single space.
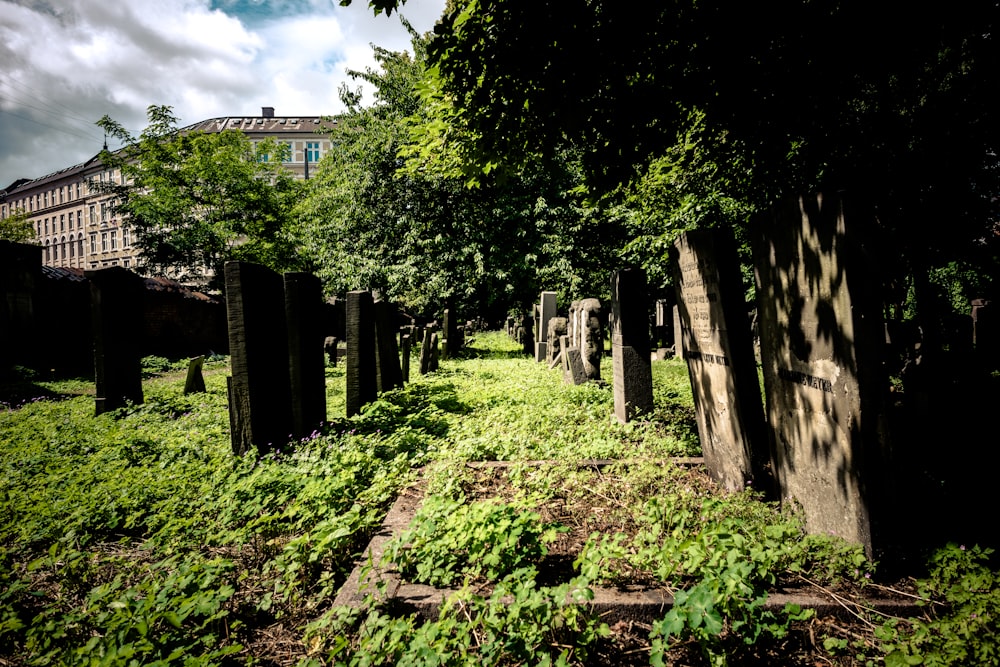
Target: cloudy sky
x=66 y=63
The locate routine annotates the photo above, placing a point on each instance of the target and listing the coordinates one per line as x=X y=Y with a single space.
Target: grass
x=138 y=538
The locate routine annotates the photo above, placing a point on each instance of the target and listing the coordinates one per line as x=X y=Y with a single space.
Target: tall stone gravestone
x=633 y=376
x=20 y=274
x=260 y=398
x=306 y=368
x=716 y=344
x=389 y=375
x=590 y=337
x=362 y=385
x=116 y=314
x=546 y=311
x=821 y=333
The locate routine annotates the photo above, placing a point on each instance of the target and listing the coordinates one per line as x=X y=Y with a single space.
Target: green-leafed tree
x=198 y=199
x=425 y=239
x=17 y=228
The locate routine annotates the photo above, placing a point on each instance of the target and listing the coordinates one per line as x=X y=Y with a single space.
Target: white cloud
x=66 y=63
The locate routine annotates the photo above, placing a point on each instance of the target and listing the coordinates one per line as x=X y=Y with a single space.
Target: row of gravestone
x=276 y=325
x=820 y=439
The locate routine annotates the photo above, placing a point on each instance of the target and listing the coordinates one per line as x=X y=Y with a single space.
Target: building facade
x=76 y=224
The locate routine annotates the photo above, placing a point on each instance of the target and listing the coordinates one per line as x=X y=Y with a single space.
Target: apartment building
x=76 y=224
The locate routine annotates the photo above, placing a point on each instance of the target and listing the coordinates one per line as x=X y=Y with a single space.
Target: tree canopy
x=198 y=199
x=424 y=239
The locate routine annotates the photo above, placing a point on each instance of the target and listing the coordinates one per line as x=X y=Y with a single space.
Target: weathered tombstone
x=546 y=311
x=821 y=333
x=451 y=343
x=195 y=381
x=633 y=376
x=576 y=374
x=260 y=401
x=361 y=372
x=330 y=347
x=528 y=340
x=556 y=330
x=425 y=352
x=435 y=351
x=20 y=273
x=116 y=313
x=591 y=337
x=306 y=370
x=389 y=375
x=661 y=323
x=406 y=357
x=716 y=344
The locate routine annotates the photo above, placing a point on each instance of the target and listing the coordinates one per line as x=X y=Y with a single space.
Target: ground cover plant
x=138 y=538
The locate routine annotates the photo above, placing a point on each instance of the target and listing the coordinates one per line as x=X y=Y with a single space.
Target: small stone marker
x=195 y=381
x=260 y=402
x=361 y=371
x=716 y=344
x=633 y=377
x=116 y=307
x=406 y=356
x=528 y=333
x=821 y=334
x=330 y=347
x=435 y=352
x=576 y=374
x=554 y=336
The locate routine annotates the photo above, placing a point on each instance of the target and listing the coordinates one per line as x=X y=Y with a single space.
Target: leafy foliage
x=198 y=199
x=17 y=228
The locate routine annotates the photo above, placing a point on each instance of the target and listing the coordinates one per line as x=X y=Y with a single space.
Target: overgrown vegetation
x=138 y=538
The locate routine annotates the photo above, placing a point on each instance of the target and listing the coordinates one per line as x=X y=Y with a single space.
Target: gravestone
x=306 y=368
x=546 y=311
x=590 y=337
x=194 y=382
x=633 y=377
x=361 y=371
x=389 y=374
x=556 y=330
x=821 y=334
x=716 y=344
x=528 y=334
x=435 y=352
x=405 y=346
x=260 y=400
x=20 y=275
x=425 y=351
x=330 y=347
x=116 y=309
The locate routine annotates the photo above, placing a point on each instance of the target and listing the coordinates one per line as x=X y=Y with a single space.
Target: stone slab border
x=630 y=603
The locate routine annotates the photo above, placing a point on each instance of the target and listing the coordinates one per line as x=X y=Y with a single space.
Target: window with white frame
x=312 y=151
x=104 y=241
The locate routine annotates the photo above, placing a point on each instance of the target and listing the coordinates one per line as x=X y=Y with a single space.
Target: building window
x=46 y=225
x=114 y=239
x=126 y=263
x=79 y=219
x=93 y=244
x=46 y=200
x=104 y=212
x=104 y=242
x=93 y=215
x=72 y=246
x=62 y=193
x=312 y=151
x=79 y=245
x=62 y=222
x=48 y=250
x=77 y=190
x=39 y=227
x=126 y=241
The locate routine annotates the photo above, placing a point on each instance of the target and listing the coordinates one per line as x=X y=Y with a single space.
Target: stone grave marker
x=716 y=344
x=435 y=351
x=195 y=382
x=361 y=366
x=633 y=377
x=425 y=351
x=821 y=336
x=306 y=368
x=405 y=364
x=330 y=347
x=116 y=306
x=528 y=334
x=260 y=401
x=389 y=375
x=554 y=336
x=546 y=311
x=590 y=337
